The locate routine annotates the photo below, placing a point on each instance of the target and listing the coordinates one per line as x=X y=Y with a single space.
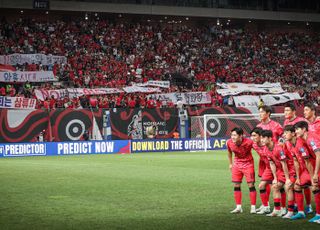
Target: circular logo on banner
x=75 y=129
x=213 y=126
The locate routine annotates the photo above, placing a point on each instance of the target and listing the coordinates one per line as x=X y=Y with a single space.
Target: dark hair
x=266 y=108
x=266 y=133
x=289 y=128
x=301 y=124
x=311 y=106
x=256 y=130
x=238 y=130
x=291 y=106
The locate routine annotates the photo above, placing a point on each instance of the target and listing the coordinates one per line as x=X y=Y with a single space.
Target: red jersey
x=274 y=126
x=293 y=121
x=314 y=126
x=262 y=153
x=277 y=155
x=242 y=153
x=313 y=142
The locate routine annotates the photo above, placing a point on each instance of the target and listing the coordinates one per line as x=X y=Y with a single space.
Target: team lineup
x=289 y=162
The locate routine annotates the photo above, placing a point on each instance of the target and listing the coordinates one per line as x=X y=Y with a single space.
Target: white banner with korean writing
x=17 y=103
x=31 y=76
x=77 y=92
x=139 y=89
x=14 y=59
x=162 y=84
x=43 y=94
x=237 y=88
x=190 y=98
x=270 y=99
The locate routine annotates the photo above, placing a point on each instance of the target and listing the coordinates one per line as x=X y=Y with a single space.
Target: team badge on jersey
x=282 y=155
x=303 y=152
x=313 y=145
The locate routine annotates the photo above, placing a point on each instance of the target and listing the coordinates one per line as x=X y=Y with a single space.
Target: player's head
x=309 y=111
x=236 y=134
x=289 y=111
x=255 y=134
x=265 y=112
x=301 y=128
x=289 y=132
x=266 y=137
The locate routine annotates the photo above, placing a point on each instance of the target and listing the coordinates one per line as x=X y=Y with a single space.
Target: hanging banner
x=237 y=88
x=43 y=94
x=139 y=89
x=190 y=98
x=77 y=92
x=17 y=103
x=14 y=59
x=31 y=76
x=270 y=99
x=162 y=84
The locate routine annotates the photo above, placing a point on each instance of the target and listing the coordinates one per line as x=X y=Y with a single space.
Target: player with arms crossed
x=282 y=168
x=243 y=165
x=313 y=142
x=266 y=176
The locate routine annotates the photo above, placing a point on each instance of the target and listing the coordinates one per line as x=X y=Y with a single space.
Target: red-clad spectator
x=2 y=91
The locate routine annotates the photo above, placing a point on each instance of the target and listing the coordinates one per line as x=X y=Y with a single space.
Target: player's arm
x=286 y=171
x=297 y=169
x=274 y=171
x=316 y=170
x=230 y=157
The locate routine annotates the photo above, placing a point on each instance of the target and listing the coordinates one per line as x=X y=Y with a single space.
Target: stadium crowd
x=102 y=53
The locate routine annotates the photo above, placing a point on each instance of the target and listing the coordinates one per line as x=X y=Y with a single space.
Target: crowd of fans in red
x=102 y=53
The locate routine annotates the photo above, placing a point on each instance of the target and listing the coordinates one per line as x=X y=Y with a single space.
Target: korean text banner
x=24 y=76
x=14 y=59
x=17 y=103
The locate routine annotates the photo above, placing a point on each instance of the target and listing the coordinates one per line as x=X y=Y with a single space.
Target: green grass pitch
x=182 y=190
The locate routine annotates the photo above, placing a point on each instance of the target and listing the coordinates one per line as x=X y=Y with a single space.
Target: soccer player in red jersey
x=266 y=176
x=268 y=124
x=242 y=165
x=282 y=168
x=313 y=142
x=309 y=113
x=298 y=148
x=291 y=119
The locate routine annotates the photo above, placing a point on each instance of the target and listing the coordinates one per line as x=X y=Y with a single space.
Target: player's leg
x=263 y=196
x=283 y=201
x=316 y=192
x=299 y=201
x=289 y=190
x=276 y=199
x=237 y=176
x=307 y=195
x=250 y=178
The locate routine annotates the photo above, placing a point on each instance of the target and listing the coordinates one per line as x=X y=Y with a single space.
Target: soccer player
x=309 y=113
x=301 y=155
x=282 y=168
x=266 y=176
x=242 y=165
x=291 y=119
x=277 y=130
x=313 y=142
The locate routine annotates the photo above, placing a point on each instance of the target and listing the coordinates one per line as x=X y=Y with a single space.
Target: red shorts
x=305 y=179
x=238 y=173
x=262 y=167
x=267 y=175
x=282 y=178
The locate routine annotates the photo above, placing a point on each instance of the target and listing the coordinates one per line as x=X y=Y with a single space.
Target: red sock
x=237 y=196
x=283 y=198
x=268 y=190
x=291 y=205
x=298 y=196
x=253 y=195
x=263 y=197
x=276 y=203
x=307 y=195
x=317 y=201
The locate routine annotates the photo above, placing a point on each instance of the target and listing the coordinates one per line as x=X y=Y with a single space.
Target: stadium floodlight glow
x=249 y=21
x=218 y=22
x=307 y=23
x=47 y=12
x=187 y=18
x=96 y=14
x=21 y=11
x=219 y=125
x=229 y=20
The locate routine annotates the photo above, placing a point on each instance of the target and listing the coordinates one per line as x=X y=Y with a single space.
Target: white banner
x=17 y=103
x=270 y=99
x=237 y=88
x=14 y=59
x=31 y=76
x=162 y=84
x=43 y=94
x=77 y=92
x=139 y=89
x=190 y=98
